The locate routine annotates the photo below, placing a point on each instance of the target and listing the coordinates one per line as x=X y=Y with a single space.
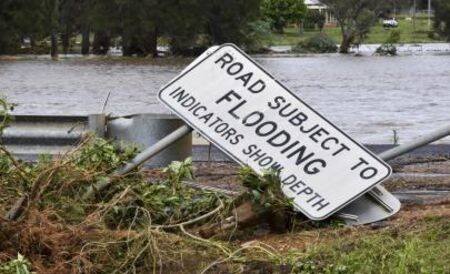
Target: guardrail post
x=97 y=124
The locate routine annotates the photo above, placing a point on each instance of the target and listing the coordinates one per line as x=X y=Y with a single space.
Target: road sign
x=258 y=122
x=376 y=205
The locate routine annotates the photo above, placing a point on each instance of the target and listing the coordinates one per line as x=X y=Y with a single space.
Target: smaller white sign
x=258 y=122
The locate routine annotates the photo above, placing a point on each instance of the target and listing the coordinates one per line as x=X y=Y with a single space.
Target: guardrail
x=30 y=136
x=27 y=137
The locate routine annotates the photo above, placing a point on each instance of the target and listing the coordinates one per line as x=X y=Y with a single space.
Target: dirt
x=301 y=239
x=406 y=176
x=226 y=176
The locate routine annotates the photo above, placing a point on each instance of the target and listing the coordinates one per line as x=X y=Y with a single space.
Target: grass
x=377 y=35
x=422 y=246
x=421 y=250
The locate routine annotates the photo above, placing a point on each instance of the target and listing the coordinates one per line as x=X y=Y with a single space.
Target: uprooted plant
x=263 y=201
x=137 y=225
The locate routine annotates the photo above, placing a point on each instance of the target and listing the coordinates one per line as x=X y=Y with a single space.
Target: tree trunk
x=85 y=42
x=129 y=46
x=152 y=44
x=54 y=45
x=102 y=43
x=346 y=43
x=54 y=30
x=65 y=39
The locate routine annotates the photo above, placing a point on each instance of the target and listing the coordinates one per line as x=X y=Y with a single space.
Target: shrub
x=319 y=43
x=388 y=48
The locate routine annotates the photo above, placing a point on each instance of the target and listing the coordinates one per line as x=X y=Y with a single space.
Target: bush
x=388 y=48
x=319 y=43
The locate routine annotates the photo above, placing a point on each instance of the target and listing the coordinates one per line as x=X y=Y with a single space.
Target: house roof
x=312 y=2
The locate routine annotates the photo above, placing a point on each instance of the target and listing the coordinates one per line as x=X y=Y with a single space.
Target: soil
x=408 y=217
x=409 y=175
x=433 y=175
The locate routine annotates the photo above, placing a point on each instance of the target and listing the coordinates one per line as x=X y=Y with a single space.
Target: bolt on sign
x=248 y=114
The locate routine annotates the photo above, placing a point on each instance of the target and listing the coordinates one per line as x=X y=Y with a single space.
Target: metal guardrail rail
x=30 y=136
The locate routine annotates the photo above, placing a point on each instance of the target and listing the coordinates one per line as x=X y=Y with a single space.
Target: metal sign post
x=258 y=122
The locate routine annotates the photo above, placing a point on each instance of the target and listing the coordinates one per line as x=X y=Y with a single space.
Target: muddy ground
x=409 y=174
x=422 y=184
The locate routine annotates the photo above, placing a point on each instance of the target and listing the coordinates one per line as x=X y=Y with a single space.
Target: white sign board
x=258 y=122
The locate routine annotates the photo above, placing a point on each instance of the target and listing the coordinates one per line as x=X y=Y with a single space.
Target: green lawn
x=419 y=248
x=378 y=34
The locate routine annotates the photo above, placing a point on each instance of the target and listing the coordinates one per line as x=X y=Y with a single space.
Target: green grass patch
x=377 y=35
x=423 y=249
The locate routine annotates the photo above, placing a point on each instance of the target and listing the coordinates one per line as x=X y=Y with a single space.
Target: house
x=316 y=5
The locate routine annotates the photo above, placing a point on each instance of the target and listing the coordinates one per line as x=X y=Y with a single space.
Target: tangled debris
x=121 y=229
x=134 y=226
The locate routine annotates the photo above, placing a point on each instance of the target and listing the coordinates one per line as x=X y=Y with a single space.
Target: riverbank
x=134 y=227
x=370 y=49
x=115 y=55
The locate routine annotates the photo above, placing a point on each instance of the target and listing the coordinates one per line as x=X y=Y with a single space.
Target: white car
x=390 y=23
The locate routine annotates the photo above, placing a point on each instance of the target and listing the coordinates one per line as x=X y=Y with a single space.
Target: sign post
x=258 y=122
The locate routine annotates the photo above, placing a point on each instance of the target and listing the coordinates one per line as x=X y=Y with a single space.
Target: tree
x=9 y=37
x=51 y=12
x=355 y=18
x=282 y=12
x=313 y=18
x=70 y=13
x=183 y=23
x=228 y=21
x=442 y=17
x=189 y=26
x=84 y=25
x=103 y=19
x=20 y=19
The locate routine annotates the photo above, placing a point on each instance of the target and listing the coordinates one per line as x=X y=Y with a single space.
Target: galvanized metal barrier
x=27 y=137
x=146 y=130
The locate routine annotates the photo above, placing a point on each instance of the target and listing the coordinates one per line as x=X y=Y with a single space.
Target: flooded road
x=368 y=97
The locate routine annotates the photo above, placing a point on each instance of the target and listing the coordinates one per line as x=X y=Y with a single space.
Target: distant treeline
x=135 y=25
x=186 y=26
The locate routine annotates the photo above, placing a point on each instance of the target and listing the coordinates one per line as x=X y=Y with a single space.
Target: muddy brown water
x=368 y=97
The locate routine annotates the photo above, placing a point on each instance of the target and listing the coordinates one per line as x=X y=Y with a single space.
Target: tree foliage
x=314 y=18
x=135 y=25
x=442 y=17
x=355 y=18
x=282 y=12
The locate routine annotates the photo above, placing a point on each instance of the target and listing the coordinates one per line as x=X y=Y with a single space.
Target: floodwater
x=368 y=97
